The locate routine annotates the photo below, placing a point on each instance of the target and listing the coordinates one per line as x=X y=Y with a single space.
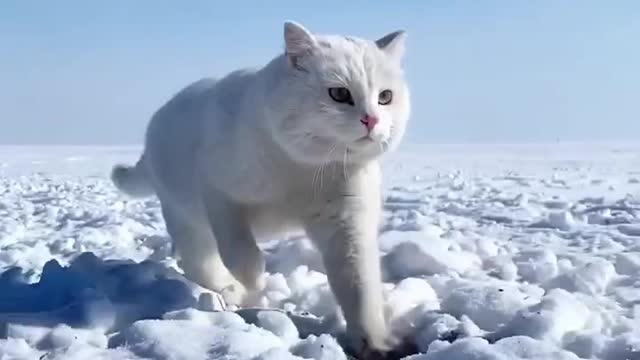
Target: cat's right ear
x=393 y=44
x=299 y=42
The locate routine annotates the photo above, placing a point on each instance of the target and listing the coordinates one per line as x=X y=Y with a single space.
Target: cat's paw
x=363 y=348
x=388 y=350
x=234 y=295
x=255 y=299
x=385 y=347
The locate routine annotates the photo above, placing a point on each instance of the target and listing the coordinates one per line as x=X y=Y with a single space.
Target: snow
x=513 y=348
x=489 y=252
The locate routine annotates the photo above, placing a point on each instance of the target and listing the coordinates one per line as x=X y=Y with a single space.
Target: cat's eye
x=341 y=95
x=385 y=97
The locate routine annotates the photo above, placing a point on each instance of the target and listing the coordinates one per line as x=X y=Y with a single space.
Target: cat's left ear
x=298 y=42
x=393 y=44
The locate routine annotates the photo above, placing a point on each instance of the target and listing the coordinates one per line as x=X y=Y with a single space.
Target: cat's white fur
x=261 y=152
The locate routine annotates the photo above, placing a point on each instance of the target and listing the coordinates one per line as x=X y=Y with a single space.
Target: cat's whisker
x=321 y=177
x=317 y=181
x=325 y=163
x=318 y=188
x=344 y=164
x=314 y=183
x=321 y=187
x=335 y=166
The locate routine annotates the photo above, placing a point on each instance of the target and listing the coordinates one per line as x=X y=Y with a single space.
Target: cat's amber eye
x=385 y=97
x=341 y=95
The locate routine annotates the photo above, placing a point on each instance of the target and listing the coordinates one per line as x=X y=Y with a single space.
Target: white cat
x=293 y=145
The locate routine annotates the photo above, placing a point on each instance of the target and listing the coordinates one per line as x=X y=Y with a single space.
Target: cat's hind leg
x=198 y=253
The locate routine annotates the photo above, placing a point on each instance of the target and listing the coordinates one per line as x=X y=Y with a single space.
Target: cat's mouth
x=367 y=144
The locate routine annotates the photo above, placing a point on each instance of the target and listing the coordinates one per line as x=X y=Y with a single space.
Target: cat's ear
x=298 y=42
x=393 y=44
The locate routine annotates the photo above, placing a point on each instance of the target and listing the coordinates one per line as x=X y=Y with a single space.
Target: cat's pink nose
x=369 y=121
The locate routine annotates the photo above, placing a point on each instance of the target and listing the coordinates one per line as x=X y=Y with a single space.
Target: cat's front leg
x=237 y=244
x=345 y=231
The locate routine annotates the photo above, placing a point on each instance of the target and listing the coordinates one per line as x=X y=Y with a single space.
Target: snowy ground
x=489 y=253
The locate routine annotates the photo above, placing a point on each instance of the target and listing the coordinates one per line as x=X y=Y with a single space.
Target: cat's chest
x=311 y=181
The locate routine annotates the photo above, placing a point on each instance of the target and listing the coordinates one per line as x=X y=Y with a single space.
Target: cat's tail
x=132 y=180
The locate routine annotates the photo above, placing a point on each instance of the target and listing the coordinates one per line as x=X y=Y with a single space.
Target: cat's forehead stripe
x=325 y=44
x=350 y=39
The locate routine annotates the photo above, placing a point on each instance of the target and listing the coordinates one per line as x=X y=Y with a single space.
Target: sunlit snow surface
x=489 y=252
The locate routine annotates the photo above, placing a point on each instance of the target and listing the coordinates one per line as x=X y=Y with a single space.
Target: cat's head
x=340 y=97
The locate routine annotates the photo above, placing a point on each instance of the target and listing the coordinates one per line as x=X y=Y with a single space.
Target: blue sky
x=85 y=72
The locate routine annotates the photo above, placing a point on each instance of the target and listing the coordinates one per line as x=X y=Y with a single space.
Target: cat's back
x=204 y=120
x=181 y=111
x=202 y=105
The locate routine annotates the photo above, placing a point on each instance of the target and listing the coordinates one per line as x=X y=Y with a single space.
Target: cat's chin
x=365 y=140
x=365 y=151
x=367 y=144
x=325 y=150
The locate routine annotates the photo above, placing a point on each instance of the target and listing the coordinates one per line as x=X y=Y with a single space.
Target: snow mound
x=227 y=335
x=490 y=306
x=592 y=278
x=514 y=348
x=414 y=256
x=557 y=314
